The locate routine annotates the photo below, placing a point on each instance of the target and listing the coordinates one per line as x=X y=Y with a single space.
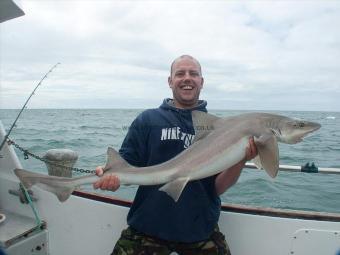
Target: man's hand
x=107 y=182
x=228 y=178
x=251 y=151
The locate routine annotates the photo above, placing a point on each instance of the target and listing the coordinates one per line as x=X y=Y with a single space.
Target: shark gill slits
x=275 y=132
x=279 y=131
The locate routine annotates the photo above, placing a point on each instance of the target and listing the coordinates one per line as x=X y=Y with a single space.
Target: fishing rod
x=307 y=168
x=22 y=109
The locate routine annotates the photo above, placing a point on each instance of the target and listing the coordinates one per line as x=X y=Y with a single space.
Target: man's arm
x=229 y=177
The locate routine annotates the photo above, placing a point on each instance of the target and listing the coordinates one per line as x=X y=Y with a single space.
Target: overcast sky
x=264 y=55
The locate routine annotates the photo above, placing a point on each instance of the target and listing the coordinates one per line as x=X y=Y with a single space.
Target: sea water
x=90 y=132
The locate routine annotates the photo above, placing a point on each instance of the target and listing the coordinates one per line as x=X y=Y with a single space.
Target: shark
x=219 y=144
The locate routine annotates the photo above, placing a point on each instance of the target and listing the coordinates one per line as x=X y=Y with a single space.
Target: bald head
x=185 y=81
x=185 y=57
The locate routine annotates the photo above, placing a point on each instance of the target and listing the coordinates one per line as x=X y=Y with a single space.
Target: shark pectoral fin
x=174 y=188
x=268 y=151
x=257 y=162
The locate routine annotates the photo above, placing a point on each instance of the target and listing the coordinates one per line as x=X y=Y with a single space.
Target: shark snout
x=309 y=128
x=316 y=126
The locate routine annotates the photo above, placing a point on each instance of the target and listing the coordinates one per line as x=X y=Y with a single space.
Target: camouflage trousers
x=132 y=242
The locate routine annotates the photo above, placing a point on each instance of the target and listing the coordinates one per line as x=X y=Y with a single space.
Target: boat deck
x=15 y=227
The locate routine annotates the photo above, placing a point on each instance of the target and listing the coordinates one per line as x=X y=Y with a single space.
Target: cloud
x=254 y=54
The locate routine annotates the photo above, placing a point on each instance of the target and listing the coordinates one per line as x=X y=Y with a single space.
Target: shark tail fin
x=60 y=186
x=114 y=160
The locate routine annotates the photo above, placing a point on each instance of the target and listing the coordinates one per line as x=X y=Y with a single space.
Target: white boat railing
x=306 y=168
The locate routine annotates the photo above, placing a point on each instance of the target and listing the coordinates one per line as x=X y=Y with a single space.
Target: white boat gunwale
x=228 y=207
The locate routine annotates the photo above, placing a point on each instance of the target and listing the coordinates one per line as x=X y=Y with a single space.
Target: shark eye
x=299 y=124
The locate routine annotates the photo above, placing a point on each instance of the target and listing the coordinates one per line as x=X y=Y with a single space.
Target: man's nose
x=187 y=76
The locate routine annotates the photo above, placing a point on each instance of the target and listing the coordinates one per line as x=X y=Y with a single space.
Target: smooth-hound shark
x=219 y=143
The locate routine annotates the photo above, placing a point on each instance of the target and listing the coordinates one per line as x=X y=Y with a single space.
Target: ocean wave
x=89 y=132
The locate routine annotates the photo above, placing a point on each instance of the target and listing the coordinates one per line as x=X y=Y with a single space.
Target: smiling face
x=186 y=82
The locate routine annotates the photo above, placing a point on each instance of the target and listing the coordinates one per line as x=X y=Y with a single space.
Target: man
x=157 y=224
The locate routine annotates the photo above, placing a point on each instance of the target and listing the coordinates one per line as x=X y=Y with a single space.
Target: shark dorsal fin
x=203 y=124
x=114 y=160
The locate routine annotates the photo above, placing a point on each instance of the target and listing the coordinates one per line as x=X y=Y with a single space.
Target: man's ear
x=169 y=81
x=202 y=83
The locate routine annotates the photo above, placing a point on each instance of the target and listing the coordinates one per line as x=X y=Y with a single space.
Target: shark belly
x=146 y=176
x=222 y=160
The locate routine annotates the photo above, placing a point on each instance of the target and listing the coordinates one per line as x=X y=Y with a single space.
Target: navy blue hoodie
x=154 y=137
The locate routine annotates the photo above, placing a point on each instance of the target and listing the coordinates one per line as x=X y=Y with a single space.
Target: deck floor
x=14 y=227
